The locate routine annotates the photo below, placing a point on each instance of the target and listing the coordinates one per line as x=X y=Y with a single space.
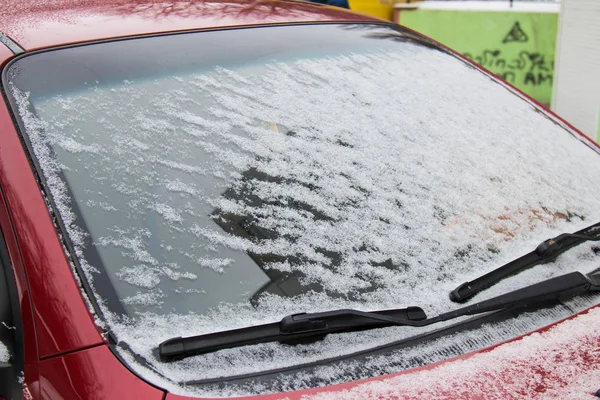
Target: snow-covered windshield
x=303 y=169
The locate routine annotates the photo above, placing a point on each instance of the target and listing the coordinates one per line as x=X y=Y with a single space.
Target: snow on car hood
x=376 y=179
x=559 y=363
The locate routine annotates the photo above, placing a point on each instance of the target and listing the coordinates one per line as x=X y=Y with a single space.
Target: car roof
x=34 y=24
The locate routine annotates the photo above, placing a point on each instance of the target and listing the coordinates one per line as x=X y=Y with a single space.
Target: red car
x=282 y=200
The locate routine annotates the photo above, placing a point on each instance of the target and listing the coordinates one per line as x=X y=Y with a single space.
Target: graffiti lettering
x=527 y=68
x=539 y=79
x=516 y=34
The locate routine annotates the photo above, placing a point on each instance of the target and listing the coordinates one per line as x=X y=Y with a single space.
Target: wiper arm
x=560 y=287
x=547 y=251
x=308 y=328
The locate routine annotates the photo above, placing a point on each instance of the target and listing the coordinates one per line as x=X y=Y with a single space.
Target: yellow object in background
x=378 y=8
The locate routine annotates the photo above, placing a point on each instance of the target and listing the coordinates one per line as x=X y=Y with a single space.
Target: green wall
x=518 y=47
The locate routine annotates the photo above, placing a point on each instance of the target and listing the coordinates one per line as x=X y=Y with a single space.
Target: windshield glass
x=214 y=180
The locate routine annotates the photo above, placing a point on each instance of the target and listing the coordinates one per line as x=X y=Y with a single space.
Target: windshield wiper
x=293 y=329
x=308 y=328
x=546 y=252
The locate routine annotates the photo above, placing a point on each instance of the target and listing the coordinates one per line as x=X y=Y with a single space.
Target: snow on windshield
x=367 y=180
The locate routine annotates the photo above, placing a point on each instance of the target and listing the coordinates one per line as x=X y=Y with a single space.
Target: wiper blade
x=308 y=328
x=293 y=329
x=545 y=252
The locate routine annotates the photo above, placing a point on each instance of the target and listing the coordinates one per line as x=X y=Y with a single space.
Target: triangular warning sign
x=516 y=34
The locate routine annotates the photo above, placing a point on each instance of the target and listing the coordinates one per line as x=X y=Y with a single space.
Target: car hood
x=558 y=361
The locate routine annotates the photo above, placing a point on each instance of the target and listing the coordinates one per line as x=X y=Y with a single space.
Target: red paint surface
x=31 y=371
x=35 y=23
x=62 y=320
x=92 y=374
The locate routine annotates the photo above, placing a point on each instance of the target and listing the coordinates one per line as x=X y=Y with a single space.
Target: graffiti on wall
x=517 y=46
x=525 y=68
x=516 y=34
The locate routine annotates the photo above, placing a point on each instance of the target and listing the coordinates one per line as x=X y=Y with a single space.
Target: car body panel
x=57 y=300
x=30 y=356
x=93 y=373
x=35 y=25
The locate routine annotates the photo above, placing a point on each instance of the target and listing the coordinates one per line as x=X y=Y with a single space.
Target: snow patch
x=4 y=353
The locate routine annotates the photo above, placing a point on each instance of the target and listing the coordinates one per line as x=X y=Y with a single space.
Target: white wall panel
x=577 y=71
